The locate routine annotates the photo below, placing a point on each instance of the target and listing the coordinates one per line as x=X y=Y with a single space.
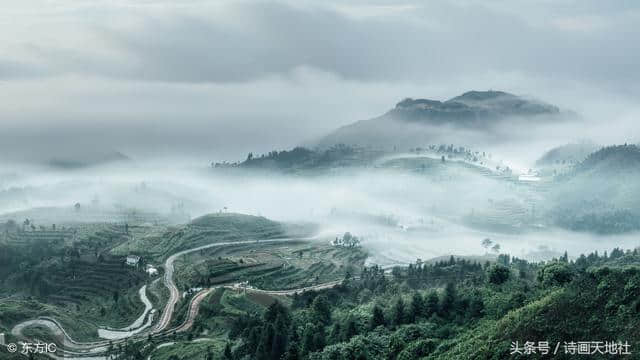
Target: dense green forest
x=453 y=309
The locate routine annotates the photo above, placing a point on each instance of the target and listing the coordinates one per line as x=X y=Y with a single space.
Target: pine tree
x=308 y=341
x=377 y=318
x=417 y=307
x=398 y=312
x=280 y=337
x=335 y=336
x=476 y=306
x=263 y=351
x=321 y=309
x=448 y=303
x=432 y=302
x=350 y=329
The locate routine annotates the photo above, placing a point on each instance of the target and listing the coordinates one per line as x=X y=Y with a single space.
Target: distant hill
x=612 y=158
x=412 y=122
x=567 y=154
x=237 y=222
x=207 y=229
x=471 y=108
x=602 y=193
x=302 y=159
x=84 y=159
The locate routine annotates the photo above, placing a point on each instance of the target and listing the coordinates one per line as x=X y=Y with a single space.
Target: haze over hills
x=64 y=156
x=81 y=160
x=569 y=153
x=601 y=193
x=412 y=122
x=613 y=158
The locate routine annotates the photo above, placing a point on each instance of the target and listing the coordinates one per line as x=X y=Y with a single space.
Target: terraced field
x=27 y=238
x=270 y=266
x=95 y=288
x=68 y=273
x=160 y=241
x=80 y=280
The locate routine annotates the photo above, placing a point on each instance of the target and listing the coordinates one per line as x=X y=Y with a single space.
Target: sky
x=216 y=79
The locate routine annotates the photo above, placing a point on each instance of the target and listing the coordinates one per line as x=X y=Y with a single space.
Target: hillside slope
x=414 y=122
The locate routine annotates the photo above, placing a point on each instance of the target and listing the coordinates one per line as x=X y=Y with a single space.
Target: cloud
x=410 y=42
x=223 y=78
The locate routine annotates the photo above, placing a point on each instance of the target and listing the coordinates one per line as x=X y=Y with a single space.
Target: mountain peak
x=471 y=107
x=413 y=122
x=475 y=96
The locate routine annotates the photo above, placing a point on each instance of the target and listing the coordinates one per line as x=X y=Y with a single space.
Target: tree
x=398 y=312
x=449 y=298
x=335 y=335
x=396 y=272
x=555 y=274
x=280 y=337
x=486 y=243
x=417 y=306
x=263 y=351
x=499 y=274
x=476 y=306
x=377 y=317
x=496 y=248
x=312 y=338
x=431 y=304
x=321 y=309
x=350 y=329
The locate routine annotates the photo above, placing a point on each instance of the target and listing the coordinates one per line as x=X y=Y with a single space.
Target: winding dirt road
x=72 y=349
x=174 y=293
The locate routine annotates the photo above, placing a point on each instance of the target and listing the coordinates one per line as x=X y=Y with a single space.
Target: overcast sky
x=217 y=79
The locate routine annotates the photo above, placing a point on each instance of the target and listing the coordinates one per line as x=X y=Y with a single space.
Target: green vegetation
x=286 y=265
x=160 y=242
x=600 y=194
x=441 y=309
x=189 y=350
x=303 y=159
x=449 y=309
x=67 y=273
x=569 y=154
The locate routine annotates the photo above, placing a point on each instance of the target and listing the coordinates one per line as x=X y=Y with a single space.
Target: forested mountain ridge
x=414 y=122
x=454 y=309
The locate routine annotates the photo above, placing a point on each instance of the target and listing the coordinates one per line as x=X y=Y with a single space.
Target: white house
x=133 y=260
x=152 y=271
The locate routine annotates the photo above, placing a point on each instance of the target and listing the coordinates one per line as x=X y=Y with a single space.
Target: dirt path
x=80 y=350
x=137 y=326
x=174 y=293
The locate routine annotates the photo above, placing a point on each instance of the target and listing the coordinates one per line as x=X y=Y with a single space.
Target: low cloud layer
x=219 y=79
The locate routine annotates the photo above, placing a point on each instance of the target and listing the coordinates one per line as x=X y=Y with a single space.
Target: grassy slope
x=220 y=227
x=601 y=305
x=269 y=266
